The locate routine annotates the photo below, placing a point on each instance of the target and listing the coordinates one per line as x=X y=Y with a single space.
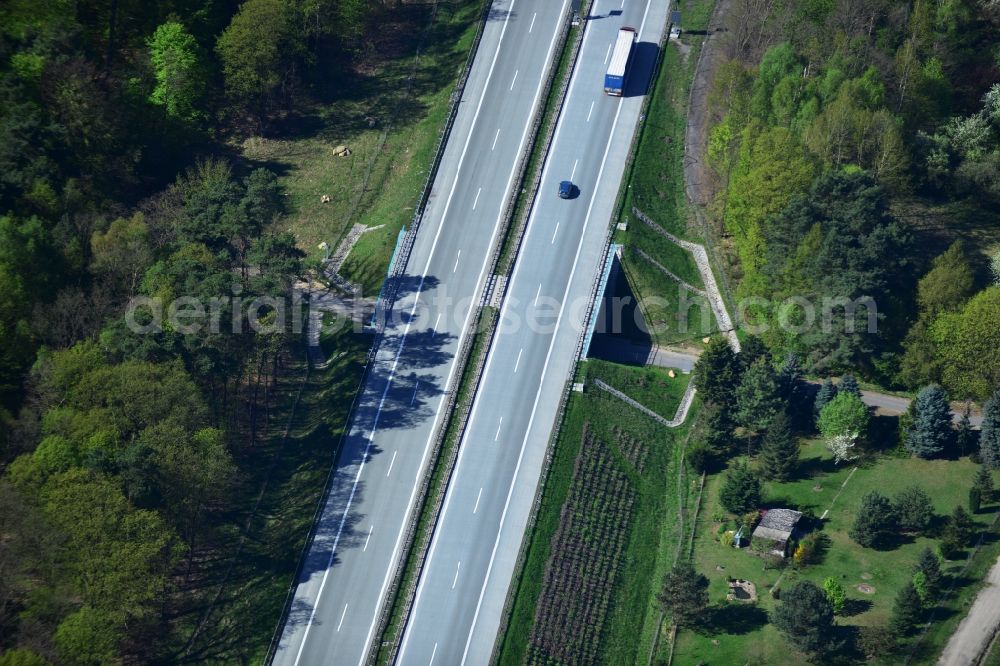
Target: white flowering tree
x=841 y=445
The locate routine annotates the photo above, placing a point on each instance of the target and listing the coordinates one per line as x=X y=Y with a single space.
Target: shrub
x=810 y=549
x=698 y=457
x=875 y=642
x=835 y=594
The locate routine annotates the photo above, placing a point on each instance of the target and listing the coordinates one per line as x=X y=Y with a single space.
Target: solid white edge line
x=548 y=356
x=468 y=315
x=510 y=181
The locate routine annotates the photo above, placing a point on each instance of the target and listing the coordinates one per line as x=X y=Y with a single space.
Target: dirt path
x=697 y=178
x=972 y=638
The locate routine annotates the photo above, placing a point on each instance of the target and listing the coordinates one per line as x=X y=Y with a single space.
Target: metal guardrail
x=564 y=398
x=395 y=271
x=490 y=332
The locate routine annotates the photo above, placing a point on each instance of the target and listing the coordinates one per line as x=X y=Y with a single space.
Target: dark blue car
x=565 y=189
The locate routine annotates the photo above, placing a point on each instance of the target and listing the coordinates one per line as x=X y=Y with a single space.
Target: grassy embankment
x=656 y=186
x=742 y=632
x=651 y=537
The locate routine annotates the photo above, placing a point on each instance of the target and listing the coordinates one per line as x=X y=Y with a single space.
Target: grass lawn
x=661 y=297
x=741 y=633
x=381 y=181
x=630 y=625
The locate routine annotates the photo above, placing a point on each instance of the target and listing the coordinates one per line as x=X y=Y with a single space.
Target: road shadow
x=640 y=76
x=620 y=333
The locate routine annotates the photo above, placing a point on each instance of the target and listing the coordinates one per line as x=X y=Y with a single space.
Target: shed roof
x=777 y=524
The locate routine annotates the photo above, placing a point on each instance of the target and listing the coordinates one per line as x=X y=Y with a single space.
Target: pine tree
x=827 y=392
x=718 y=433
x=779 y=454
x=740 y=492
x=792 y=390
x=805 y=615
x=848 y=384
x=757 y=397
x=913 y=509
x=717 y=374
x=684 y=595
x=965 y=436
x=989 y=434
x=983 y=482
x=929 y=564
x=906 y=611
x=875 y=521
x=930 y=433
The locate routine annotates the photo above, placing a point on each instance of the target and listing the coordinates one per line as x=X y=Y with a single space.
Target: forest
x=856 y=156
x=118 y=181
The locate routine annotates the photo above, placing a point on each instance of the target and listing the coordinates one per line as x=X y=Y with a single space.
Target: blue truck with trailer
x=621 y=60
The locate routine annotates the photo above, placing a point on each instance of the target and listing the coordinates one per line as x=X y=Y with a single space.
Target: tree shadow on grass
x=854 y=607
x=733 y=618
x=814 y=466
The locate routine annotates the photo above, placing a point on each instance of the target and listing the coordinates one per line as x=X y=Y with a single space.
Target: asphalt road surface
x=358 y=541
x=460 y=597
x=977 y=629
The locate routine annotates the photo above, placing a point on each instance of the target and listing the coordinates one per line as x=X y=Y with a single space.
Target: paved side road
x=967 y=645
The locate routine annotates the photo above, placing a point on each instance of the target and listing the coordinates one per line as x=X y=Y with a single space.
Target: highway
x=359 y=535
x=461 y=593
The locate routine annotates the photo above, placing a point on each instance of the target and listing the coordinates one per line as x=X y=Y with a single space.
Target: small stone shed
x=778 y=527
